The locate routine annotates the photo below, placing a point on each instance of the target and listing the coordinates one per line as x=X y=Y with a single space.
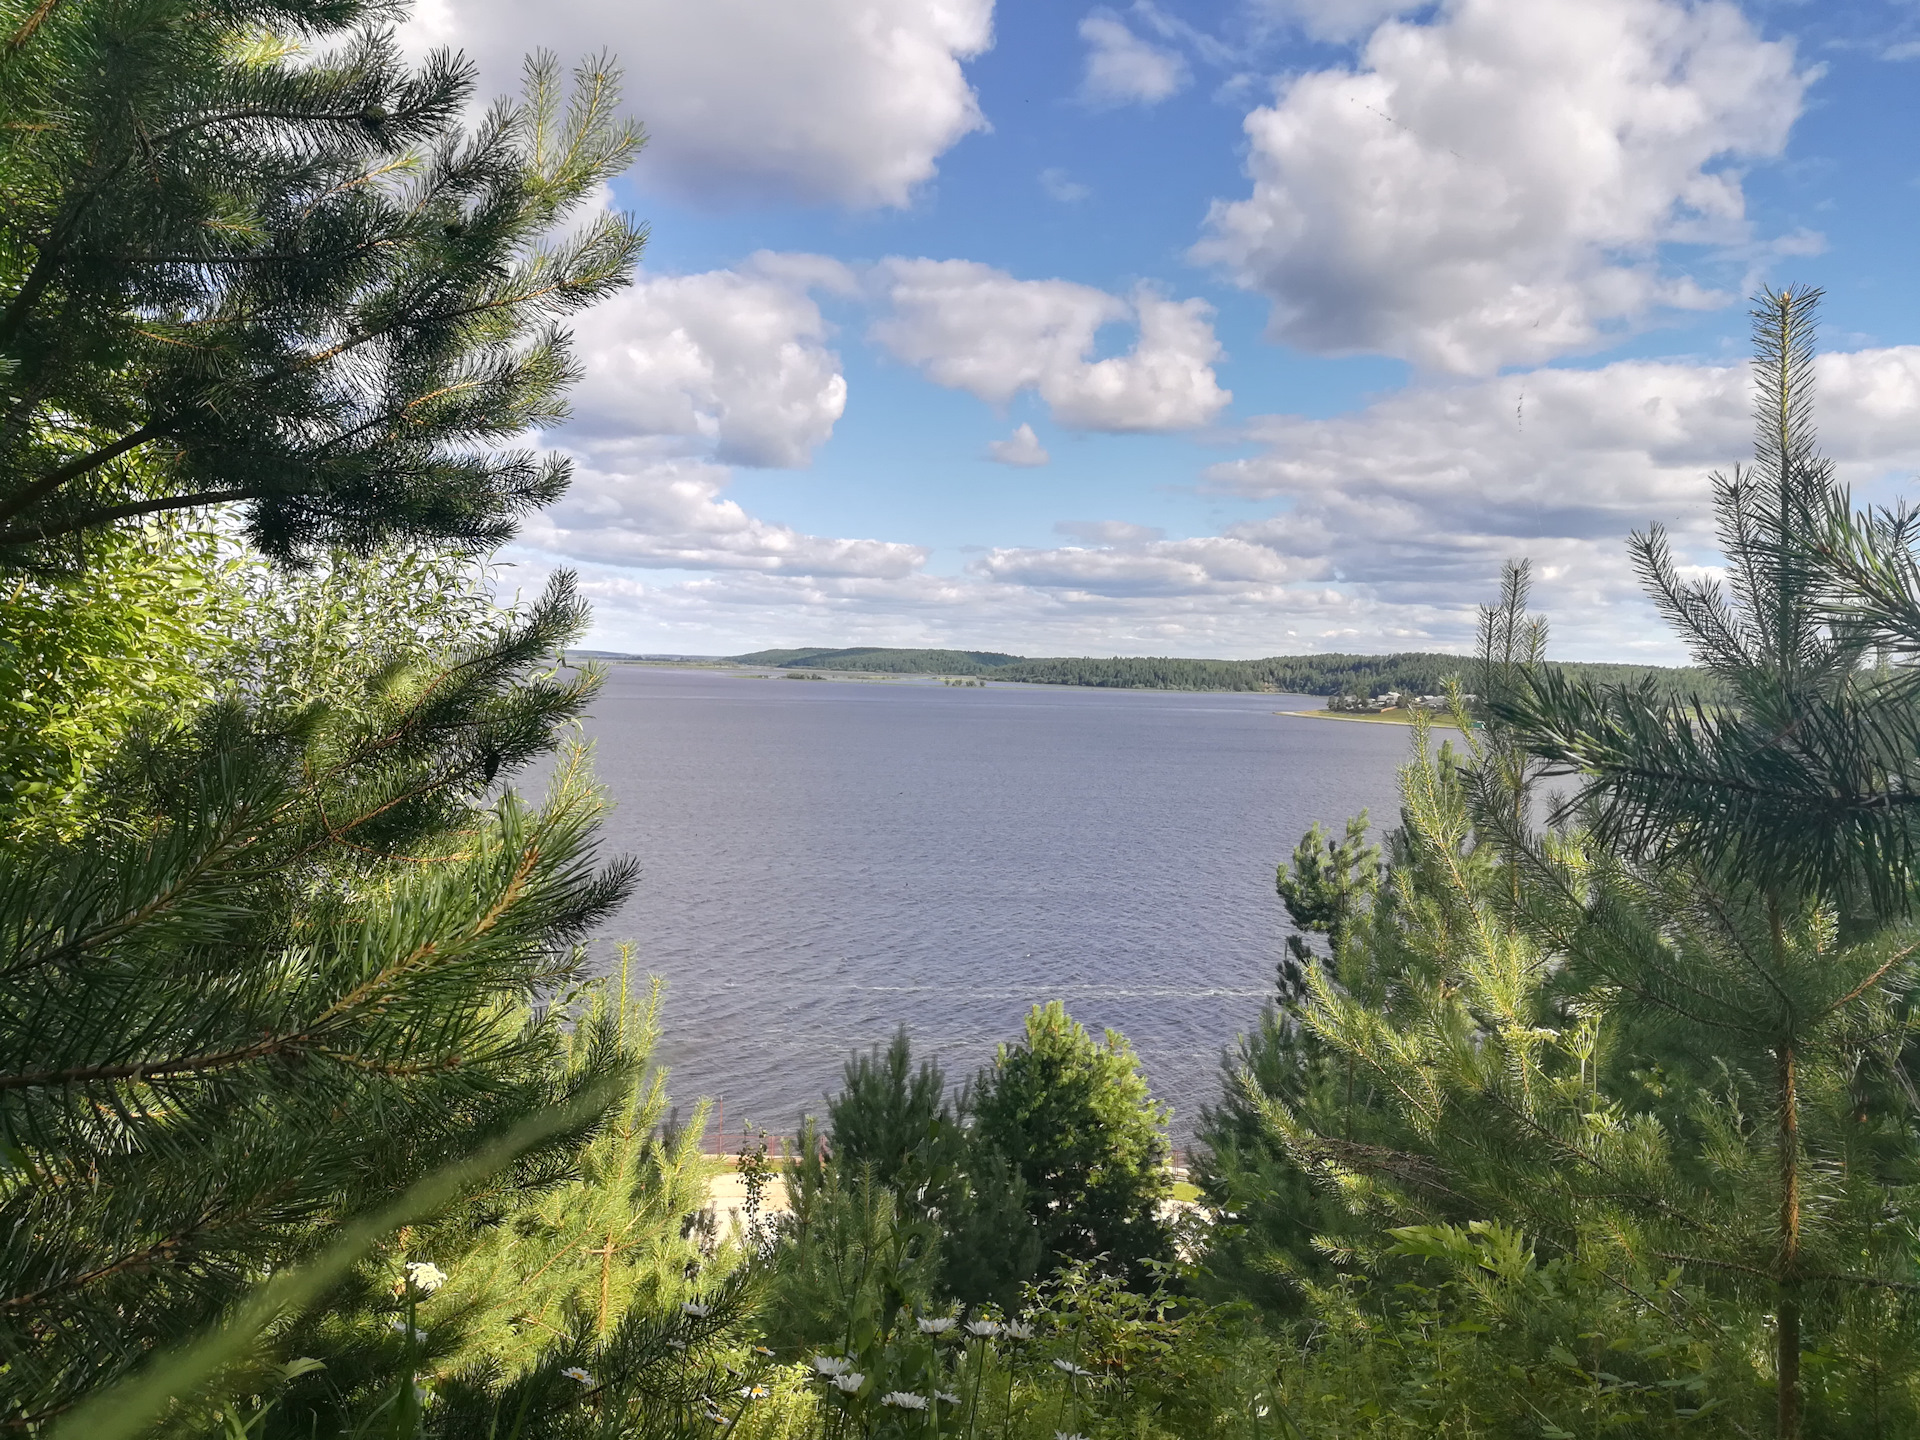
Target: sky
x=1226 y=328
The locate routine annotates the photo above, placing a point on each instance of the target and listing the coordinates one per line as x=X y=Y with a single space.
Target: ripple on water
x=823 y=862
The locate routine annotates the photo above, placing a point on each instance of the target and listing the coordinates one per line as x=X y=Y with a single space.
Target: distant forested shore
x=1417 y=672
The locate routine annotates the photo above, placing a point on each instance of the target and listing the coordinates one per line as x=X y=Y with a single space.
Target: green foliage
x=896 y=1119
x=850 y=1264
x=231 y=273
x=1628 y=1143
x=1074 y=1120
x=291 y=960
x=85 y=662
x=896 y=1122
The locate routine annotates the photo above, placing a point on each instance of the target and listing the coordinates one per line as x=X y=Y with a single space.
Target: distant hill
x=1421 y=673
x=877 y=658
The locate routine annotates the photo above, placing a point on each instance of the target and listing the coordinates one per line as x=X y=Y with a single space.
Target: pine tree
x=292 y=967
x=1666 y=1045
x=232 y=274
x=1073 y=1118
x=1794 y=799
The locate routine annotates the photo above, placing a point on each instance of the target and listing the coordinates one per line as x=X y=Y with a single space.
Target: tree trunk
x=1787 y=1335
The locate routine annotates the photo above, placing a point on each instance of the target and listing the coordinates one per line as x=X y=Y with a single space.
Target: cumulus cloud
x=1418 y=497
x=1123 y=69
x=848 y=102
x=686 y=377
x=1022 y=448
x=734 y=359
x=1480 y=193
x=1204 y=565
x=975 y=328
x=630 y=504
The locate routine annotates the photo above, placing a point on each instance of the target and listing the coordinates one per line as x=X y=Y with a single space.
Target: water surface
x=822 y=860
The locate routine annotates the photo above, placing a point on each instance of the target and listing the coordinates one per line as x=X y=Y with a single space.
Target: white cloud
x=1206 y=565
x=1123 y=69
x=849 y=102
x=632 y=505
x=734 y=359
x=1481 y=192
x=1022 y=448
x=974 y=328
x=1417 y=498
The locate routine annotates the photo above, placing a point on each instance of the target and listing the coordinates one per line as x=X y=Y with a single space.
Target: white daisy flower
x=904 y=1400
x=829 y=1365
x=935 y=1327
x=676 y=1344
x=1067 y=1367
x=763 y=1350
x=425 y=1276
x=753 y=1392
x=1063 y=1435
x=850 y=1382
x=400 y=1327
x=699 y=1312
x=574 y=1372
x=946 y=1397
x=1015 y=1330
x=982 y=1329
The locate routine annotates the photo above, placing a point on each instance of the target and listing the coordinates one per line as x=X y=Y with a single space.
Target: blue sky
x=1235 y=328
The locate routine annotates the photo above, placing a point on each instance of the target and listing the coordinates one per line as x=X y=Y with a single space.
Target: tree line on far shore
x=1410 y=672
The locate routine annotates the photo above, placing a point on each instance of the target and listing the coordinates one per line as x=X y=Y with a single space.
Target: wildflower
x=935 y=1327
x=753 y=1392
x=676 y=1344
x=904 y=1400
x=1063 y=1435
x=1067 y=1367
x=946 y=1397
x=715 y=1414
x=400 y=1327
x=828 y=1365
x=699 y=1312
x=850 y=1382
x=425 y=1276
x=574 y=1372
x=1015 y=1330
x=982 y=1329
x=1261 y=1411
x=763 y=1351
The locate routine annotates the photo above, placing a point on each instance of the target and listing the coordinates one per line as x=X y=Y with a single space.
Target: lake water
x=824 y=860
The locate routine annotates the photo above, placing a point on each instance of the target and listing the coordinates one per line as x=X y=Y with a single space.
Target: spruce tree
x=249 y=258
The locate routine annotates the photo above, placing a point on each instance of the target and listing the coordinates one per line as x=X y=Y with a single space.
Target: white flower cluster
x=904 y=1400
x=425 y=1276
